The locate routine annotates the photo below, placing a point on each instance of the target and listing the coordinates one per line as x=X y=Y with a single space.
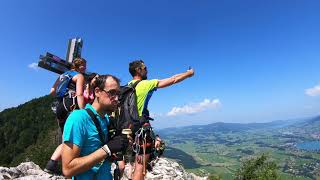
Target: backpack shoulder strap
x=96 y=122
x=73 y=73
x=135 y=84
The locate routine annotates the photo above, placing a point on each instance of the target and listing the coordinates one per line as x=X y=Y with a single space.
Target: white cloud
x=315 y=91
x=33 y=66
x=155 y=115
x=195 y=107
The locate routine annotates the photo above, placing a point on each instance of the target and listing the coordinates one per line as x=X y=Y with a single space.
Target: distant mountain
x=232 y=127
x=314 y=121
x=309 y=126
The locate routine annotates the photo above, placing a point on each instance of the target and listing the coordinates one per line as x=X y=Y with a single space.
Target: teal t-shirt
x=144 y=91
x=81 y=131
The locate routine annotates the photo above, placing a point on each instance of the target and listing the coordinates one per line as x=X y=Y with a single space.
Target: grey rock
x=26 y=171
x=162 y=169
x=166 y=169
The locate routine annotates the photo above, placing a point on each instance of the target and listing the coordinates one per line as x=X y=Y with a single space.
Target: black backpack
x=127 y=116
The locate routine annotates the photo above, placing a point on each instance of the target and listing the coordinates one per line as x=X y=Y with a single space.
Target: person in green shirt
x=144 y=91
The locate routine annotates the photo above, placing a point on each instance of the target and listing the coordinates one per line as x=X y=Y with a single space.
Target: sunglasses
x=112 y=92
x=144 y=67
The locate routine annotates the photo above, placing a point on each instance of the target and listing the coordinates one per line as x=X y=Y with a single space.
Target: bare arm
x=175 y=79
x=72 y=164
x=79 y=90
x=53 y=89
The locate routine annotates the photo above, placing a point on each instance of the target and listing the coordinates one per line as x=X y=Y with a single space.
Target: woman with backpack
x=68 y=89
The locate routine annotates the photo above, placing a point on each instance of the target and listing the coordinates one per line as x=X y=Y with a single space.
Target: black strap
x=96 y=122
x=135 y=84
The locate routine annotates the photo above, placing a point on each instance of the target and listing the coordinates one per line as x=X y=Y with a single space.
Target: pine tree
x=259 y=168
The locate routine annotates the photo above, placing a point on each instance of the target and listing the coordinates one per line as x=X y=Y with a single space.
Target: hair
x=134 y=65
x=77 y=62
x=89 y=79
x=101 y=81
x=91 y=76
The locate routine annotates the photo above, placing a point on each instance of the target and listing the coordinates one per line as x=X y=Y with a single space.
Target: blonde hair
x=77 y=62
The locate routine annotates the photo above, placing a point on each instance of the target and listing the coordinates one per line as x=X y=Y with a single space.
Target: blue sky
x=255 y=61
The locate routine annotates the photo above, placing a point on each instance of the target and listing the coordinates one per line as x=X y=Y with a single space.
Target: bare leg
x=57 y=153
x=52 y=165
x=121 y=165
x=130 y=170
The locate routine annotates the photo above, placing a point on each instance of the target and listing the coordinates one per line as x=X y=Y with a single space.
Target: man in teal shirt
x=144 y=91
x=83 y=153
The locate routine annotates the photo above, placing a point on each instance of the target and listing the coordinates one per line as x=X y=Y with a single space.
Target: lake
x=309 y=146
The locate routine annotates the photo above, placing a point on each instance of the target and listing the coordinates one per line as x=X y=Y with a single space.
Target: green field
x=220 y=153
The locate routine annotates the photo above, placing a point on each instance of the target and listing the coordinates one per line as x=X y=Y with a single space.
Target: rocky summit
x=163 y=169
x=26 y=171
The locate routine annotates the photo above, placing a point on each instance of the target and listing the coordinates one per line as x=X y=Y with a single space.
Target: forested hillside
x=28 y=132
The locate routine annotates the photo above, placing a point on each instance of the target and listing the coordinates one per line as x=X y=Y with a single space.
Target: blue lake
x=309 y=146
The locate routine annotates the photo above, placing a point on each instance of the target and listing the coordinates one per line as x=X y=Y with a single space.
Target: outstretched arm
x=53 y=89
x=79 y=90
x=175 y=79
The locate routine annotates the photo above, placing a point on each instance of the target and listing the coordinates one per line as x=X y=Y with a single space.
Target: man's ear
x=97 y=92
x=138 y=70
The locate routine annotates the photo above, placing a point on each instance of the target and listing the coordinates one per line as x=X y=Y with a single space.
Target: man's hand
x=118 y=143
x=191 y=72
x=157 y=143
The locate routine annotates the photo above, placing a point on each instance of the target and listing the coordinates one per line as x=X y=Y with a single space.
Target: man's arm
x=175 y=79
x=72 y=164
x=79 y=90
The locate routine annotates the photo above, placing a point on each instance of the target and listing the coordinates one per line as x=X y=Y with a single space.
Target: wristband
x=106 y=149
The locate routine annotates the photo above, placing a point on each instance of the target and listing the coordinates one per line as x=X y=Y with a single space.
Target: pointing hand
x=190 y=71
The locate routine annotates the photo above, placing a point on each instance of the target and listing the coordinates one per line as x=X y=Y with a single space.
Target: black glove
x=118 y=143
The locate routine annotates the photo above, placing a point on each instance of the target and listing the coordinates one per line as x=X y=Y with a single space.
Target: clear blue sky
x=255 y=61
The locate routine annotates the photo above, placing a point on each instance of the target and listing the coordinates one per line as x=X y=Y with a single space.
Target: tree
x=260 y=167
x=28 y=132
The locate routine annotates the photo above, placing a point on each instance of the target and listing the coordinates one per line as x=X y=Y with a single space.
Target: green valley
x=220 y=148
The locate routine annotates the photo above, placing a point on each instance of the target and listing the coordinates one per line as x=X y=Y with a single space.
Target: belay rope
x=144 y=138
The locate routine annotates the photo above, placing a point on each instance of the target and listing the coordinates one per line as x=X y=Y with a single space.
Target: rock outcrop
x=166 y=169
x=162 y=169
x=26 y=171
